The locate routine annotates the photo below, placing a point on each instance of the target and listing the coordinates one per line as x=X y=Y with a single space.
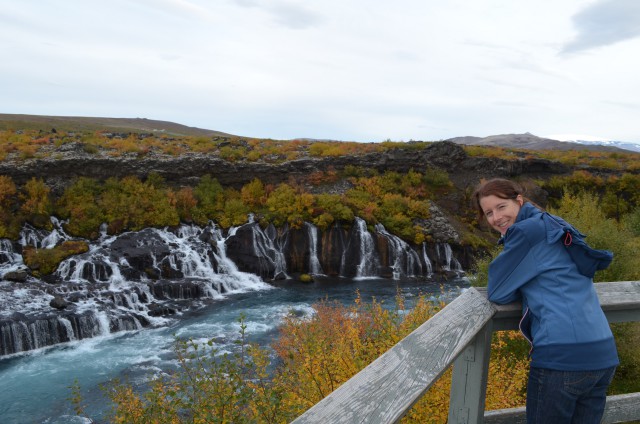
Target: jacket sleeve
x=513 y=268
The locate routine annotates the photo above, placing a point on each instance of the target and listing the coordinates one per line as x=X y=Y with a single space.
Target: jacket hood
x=557 y=230
x=587 y=259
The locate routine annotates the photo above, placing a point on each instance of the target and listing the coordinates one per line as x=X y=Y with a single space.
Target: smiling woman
x=501 y=213
x=547 y=266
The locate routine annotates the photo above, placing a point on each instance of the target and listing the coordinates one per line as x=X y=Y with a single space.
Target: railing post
x=469 y=380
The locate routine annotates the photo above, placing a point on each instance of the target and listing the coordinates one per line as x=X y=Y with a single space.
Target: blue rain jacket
x=547 y=265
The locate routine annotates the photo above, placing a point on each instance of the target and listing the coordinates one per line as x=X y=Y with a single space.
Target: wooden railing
x=460 y=334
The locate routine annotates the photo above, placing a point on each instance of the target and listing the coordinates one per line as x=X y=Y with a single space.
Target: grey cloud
x=603 y=23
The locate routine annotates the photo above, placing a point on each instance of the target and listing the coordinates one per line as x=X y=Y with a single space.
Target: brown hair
x=499 y=187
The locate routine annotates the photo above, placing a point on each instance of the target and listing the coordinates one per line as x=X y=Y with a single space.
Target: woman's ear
x=520 y=199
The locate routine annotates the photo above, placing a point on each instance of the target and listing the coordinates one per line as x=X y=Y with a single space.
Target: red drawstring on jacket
x=568 y=239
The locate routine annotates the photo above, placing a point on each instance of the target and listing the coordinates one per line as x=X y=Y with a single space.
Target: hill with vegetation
x=531 y=142
x=61 y=171
x=81 y=123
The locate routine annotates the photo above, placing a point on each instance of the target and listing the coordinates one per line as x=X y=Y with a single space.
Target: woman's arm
x=513 y=268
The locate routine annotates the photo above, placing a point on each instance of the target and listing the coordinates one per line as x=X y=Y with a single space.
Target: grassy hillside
x=80 y=123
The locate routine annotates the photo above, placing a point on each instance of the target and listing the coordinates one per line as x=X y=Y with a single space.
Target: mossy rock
x=305 y=278
x=46 y=261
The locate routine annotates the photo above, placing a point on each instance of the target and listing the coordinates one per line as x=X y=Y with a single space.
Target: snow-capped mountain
x=635 y=147
x=533 y=142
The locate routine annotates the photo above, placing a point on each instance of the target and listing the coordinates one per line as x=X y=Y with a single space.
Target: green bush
x=46 y=261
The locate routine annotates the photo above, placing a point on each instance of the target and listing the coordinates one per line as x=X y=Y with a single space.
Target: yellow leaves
x=45 y=261
x=508 y=371
x=36 y=198
x=253 y=194
x=7 y=190
x=315 y=355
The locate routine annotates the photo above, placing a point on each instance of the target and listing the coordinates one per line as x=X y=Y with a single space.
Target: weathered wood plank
x=619 y=409
x=622 y=408
x=620 y=301
x=469 y=379
x=506 y=416
x=387 y=388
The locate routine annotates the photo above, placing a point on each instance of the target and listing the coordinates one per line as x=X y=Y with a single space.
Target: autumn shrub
x=210 y=387
x=632 y=222
x=329 y=208
x=209 y=195
x=36 y=202
x=130 y=204
x=7 y=191
x=286 y=205
x=46 y=261
x=314 y=356
x=184 y=201
x=79 y=206
x=438 y=178
x=253 y=194
x=235 y=213
x=120 y=146
x=10 y=222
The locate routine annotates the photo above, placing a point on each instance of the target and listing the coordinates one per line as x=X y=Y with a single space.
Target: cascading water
x=122 y=283
x=427 y=261
x=448 y=260
x=43 y=239
x=9 y=260
x=314 y=263
x=404 y=260
x=268 y=246
x=139 y=279
x=367 y=260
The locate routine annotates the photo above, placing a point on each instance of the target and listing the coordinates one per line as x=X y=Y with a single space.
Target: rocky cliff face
x=127 y=281
x=132 y=280
x=65 y=163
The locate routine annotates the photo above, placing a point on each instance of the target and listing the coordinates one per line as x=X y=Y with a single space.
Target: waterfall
x=445 y=252
x=123 y=283
x=368 y=262
x=426 y=259
x=228 y=274
x=144 y=278
x=403 y=259
x=268 y=247
x=9 y=259
x=314 y=263
x=43 y=239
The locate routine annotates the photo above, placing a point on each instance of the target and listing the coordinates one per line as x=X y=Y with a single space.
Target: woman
x=547 y=265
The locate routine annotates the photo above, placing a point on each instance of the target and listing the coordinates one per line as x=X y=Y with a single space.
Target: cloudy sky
x=363 y=70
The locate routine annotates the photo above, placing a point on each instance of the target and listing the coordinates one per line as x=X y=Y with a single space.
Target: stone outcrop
x=70 y=160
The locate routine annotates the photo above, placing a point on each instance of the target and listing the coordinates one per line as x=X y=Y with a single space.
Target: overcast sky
x=362 y=70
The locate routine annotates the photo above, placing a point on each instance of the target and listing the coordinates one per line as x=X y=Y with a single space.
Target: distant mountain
x=81 y=123
x=531 y=142
x=635 y=147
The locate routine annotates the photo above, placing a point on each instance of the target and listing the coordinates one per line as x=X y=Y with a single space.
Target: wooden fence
x=460 y=334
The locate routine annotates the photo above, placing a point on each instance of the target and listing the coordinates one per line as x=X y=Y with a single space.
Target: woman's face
x=501 y=213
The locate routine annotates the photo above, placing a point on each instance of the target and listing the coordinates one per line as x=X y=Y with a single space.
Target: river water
x=35 y=386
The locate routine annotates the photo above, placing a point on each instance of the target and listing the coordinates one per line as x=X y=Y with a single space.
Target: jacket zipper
x=526 y=311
